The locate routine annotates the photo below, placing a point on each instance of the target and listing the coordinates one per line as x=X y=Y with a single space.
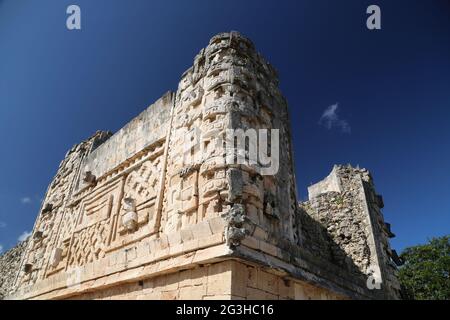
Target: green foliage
x=425 y=274
x=339 y=200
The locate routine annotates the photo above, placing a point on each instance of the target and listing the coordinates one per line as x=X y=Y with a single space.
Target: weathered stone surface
x=157 y=211
x=9 y=266
x=344 y=224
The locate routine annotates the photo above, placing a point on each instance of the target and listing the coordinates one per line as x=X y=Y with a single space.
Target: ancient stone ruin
x=126 y=218
x=9 y=265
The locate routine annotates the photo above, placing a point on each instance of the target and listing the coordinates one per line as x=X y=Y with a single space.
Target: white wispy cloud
x=24 y=236
x=1 y=249
x=330 y=119
x=25 y=200
x=2 y=224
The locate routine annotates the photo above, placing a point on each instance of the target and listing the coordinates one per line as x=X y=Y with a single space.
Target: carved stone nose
x=130 y=220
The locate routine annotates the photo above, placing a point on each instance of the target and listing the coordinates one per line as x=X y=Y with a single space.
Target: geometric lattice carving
x=142 y=183
x=89 y=244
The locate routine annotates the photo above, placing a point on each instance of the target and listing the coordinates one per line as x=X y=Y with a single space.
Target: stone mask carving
x=130 y=218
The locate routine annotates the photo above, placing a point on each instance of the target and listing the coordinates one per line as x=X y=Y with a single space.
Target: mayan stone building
x=126 y=217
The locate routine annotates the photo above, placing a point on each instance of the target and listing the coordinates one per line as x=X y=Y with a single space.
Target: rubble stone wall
x=350 y=224
x=143 y=131
x=9 y=266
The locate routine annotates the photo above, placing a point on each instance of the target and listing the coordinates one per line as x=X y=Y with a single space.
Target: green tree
x=425 y=273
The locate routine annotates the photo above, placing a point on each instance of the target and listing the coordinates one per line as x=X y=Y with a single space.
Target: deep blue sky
x=392 y=86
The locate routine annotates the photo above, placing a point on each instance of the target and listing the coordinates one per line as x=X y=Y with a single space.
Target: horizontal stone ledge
x=290 y=270
x=186 y=261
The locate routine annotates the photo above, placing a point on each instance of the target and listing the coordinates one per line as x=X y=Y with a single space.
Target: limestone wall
x=347 y=228
x=329 y=184
x=144 y=130
x=9 y=266
x=125 y=215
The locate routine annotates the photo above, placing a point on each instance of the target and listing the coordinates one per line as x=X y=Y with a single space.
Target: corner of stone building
x=149 y=219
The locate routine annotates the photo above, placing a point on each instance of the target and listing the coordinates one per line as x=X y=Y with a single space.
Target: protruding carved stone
x=379 y=201
x=130 y=218
x=235 y=236
x=47 y=208
x=388 y=230
x=235 y=232
x=184 y=172
x=28 y=267
x=270 y=206
x=37 y=236
x=89 y=178
x=56 y=257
